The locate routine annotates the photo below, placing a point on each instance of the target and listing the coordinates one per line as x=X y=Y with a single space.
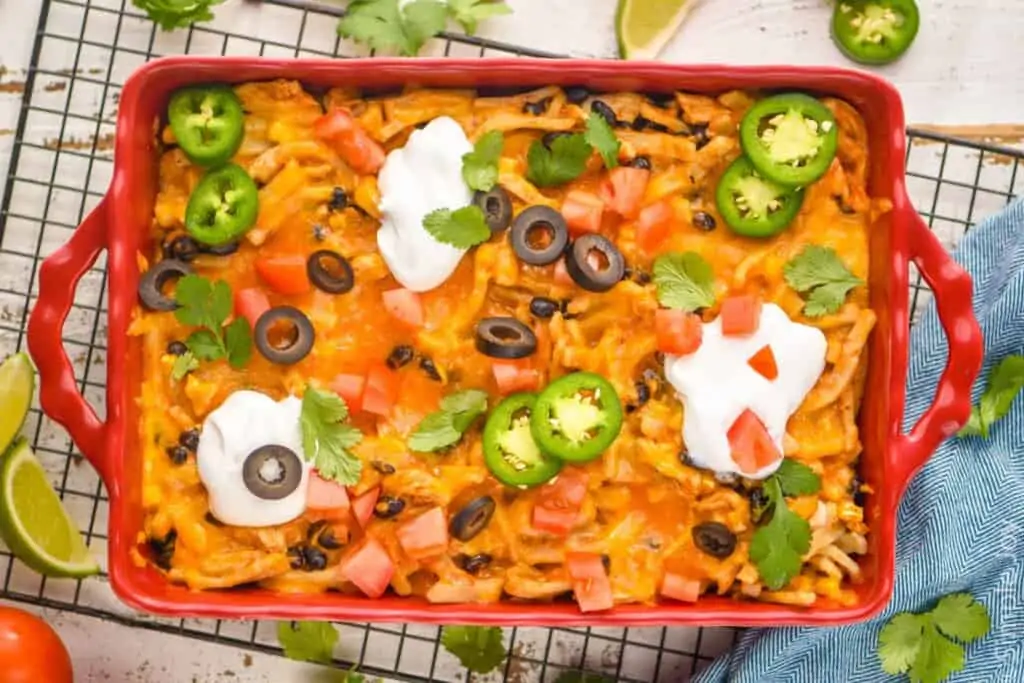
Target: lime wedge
x=17 y=380
x=34 y=523
x=644 y=27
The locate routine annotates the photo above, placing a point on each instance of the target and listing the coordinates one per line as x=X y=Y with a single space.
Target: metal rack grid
x=60 y=168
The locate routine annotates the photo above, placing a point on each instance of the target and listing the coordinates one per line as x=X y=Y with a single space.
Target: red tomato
x=350 y=388
x=582 y=212
x=763 y=363
x=653 y=225
x=590 y=581
x=350 y=141
x=558 y=502
x=740 y=315
x=679 y=588
x=561 y=275
x=751 y=444
x=284 y=274
x=369 y=567
x=381 y=390
x=678 y=333
x=556 y=522
x=404 y=305
x=333 y=124
x=362 y=506
x=326 y=498
x=512 y=377
x=425 y=536
x=251 y=303
x=31 y=651
x=584 y=566
x=624 y=190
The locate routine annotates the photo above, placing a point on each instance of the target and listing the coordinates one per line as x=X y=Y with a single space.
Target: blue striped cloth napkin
x=961 y=523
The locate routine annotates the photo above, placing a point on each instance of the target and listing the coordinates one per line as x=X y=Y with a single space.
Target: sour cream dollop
x=421 y=177
x=246 y=421
x=717 y=384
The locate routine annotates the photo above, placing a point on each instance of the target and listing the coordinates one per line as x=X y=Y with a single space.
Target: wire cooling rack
x=60 y=168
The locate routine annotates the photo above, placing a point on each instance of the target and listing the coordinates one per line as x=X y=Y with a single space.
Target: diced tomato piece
x=584 y=566
x=350 y=388
x=362 y=506
x=591 y=586
x=251 y=303
x=624 y=190
x=678 y=333
x=763 y=363
x=381 y=390
x=582 y=212
x=556 y=522
x=512 y=377
x=327 y=498
x=284 y=274
x=680 y=588
x=369 y=567
x=561 y=275
x=425 y=536
x=751 y=444
x=333 y=124
x=653 y=225
x=404 y=305
x=352 y=143
x=558 y=502
x=740 y=315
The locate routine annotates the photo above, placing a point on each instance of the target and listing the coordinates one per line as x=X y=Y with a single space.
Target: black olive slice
x=225 y=249
x=497 y=208
x=272 y=472
x=284 y=335
x=594 y=263
x=714 y=539
x=504 y=338
x=153 y=281
x=539 y=235
x=472 y=519
x=330 y=272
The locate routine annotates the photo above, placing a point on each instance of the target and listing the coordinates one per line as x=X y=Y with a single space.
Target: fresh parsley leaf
x=205 y=345
x=238 y=340
x=818 y=273
x=382 y=25
x=480 y=167
x=565 y=161
x=601 y=137
x=446 y=426
x=469 y=12
x=797 y=479
x=1005 y=383
x=307 y=641
x=172 y=14
x=899 y=642
x=183 y=364
x=479 y=648
x=462 y=229
x=684 y=281
x=583 y=677
x=778 y=547
x=936 y=658
x=959 y=616
x=326 y=439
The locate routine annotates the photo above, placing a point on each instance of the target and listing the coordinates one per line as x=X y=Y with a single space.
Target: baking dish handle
x=58 y=390
x=951 y=406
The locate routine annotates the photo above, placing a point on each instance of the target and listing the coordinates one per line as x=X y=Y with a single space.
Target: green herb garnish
x=480 y=167
x=462 y=228
x=446 y=426
x=207 y=305
x=479 y=648
x=172 y=14
x=601 y=136
x=566 y=160
x=1004 y=385
x=818 y=272
x=684 y=281
x=308 y=641
x=778 y=546
x=327 y=438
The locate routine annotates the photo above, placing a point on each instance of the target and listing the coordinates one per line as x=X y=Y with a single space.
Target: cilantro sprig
x=684 y=281
x=600 y=135
x=819 y=274
x=480 y=167
x=207 y=305
x=308 y=641
x=469 y=12
x=462 y=228
x=778 y=547
x=172 y=14
x=566 y=158
x=184 y=364
x=1004 y=385
x=925 y=645
x=445 y=427
x=327 y=438
x=479 y=648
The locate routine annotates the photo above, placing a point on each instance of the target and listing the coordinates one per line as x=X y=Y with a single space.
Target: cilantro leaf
x=183 y=364
x=819 y=273
x=565 y=161
x=462 y=229
x=446 y=426
x=238 y=340
x=797 y=479
x=172 y=14
x=1005 y=383
x=307 y=641
x=959 y=616
x=192 y=294
x=207 y=305
x=326 y=439
x=684 y=281
x=353 y=676
x=601 y=137
x=936 y=657
x=205 y=345
x=469 y=12
x=899 y=642
x=423 y=19
x=468 y=401
x=383 y=25
x=778 y=547
x=480 y=167
x=479 y=648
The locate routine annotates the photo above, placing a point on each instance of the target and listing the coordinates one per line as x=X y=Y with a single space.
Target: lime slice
x=34 y=523
x=644 y=27
x=17 y=380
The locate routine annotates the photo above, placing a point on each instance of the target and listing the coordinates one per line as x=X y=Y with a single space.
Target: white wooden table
x=964 y=74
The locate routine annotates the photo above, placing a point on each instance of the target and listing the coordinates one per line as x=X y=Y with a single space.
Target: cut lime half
x=644 y=27
x=33 y=521
x=17 y=381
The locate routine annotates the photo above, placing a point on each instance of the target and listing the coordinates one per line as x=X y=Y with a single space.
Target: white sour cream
x=717 y=384
x=421 y=177
x=246 y=421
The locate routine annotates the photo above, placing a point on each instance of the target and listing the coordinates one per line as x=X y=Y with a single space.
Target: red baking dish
x=120 y=224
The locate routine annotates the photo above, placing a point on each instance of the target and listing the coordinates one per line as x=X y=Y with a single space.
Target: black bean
x=604 y=111
x=643 y=393
x=182 y=247
x=537 y=108
x=163 y=549
x=315 y=558
x=474 y=564
x=400 y=355
x=858 y=495
x=388 y=506
x=758 y=503
x=327 y=539
x=715 y=539
x=643 y=123
x=384 y=468
x=576 y=94
x=339 y=199
x=427 y=366
x=543 y=307
x=297 y=557
x=190 y=439
x=563 y=306
x=178 y=454
x=661 y=99
x=606 y=560
x=640 y=162
x=315 y=528
x=700 y=134
x=177 y=348
x=549 y=138
x=702 y=220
